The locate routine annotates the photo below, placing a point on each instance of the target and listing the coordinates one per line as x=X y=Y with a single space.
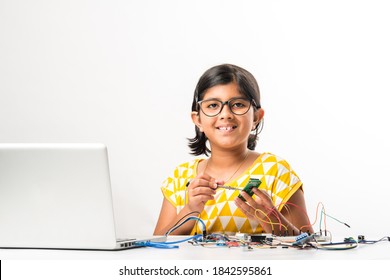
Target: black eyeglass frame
x=253 y=103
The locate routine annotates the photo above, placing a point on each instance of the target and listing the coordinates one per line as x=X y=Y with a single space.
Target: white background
x=123 y=73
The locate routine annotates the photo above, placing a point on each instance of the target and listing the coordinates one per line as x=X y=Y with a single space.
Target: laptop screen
x=55 y=196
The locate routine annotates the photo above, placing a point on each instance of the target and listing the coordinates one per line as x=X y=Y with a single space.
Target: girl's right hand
x=200 y=190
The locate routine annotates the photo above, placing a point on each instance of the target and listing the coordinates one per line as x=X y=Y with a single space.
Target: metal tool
x=229 y=188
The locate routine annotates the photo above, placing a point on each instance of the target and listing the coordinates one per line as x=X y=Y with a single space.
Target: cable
x=193 y=212
x=184 y=240
x=362 y=240
x=159 y=245
x=322 y=213
x=287 y=207
x=186 y=220
x=337 y=220
x=265 y=215
x=349 y=243
x=169 y=245
x=276 y=214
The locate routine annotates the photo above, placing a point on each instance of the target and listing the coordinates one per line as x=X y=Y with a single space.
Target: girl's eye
x=213 y=106
x=239 y=105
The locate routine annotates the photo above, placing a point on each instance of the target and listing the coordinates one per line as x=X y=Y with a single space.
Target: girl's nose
x=226 y=112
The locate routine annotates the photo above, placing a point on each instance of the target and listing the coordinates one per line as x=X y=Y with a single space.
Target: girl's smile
x=227 y=128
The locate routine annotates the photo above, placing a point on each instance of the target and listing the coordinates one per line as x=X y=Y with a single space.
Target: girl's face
x=227 y=130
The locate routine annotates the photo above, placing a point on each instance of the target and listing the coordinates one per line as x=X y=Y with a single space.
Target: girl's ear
x=196 y=120
x=258 y=116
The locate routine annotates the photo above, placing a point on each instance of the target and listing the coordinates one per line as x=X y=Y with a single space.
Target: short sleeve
x=174 y=187
x=280 y=180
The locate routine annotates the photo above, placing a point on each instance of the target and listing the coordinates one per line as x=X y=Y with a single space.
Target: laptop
x=58 y=196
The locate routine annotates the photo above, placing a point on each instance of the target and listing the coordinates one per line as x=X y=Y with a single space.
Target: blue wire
x=183 y=240
x=160 y=245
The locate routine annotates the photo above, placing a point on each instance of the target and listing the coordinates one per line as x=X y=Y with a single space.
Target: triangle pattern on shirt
x=221 y=197
x=232 y=226
x=239 y=221
x=257 y=168
x=224 y=221
x=225 y=211
x=246 y=226
x=282 y=169
x=238 y=213
x=270 y=158
x=272 y=170
x=286 y=177
x=213 y=214
x=231 y=195
x=240 y=181
x=209 y=224
x=232 y=206
x=253 y=224
x=204 y=216
x=267 y=166
x=217 y=226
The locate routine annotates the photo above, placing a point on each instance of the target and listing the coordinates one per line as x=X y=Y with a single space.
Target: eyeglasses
x=237 y=105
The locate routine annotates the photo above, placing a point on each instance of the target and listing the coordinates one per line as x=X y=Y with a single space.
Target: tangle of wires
x=320 y=240
x=265 y=217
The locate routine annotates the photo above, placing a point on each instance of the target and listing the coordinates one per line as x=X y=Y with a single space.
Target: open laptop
x=58 y=196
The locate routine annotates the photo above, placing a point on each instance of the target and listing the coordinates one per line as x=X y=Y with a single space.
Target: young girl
x=228 y=117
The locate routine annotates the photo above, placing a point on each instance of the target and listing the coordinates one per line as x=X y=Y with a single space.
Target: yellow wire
x=270 y=221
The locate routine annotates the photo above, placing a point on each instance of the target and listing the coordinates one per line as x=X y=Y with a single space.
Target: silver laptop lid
x=56 y=196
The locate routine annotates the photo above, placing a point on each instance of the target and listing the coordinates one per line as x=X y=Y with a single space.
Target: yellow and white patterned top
x=221 y=215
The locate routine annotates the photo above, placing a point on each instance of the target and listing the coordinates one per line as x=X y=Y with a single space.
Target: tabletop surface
x=187 y=251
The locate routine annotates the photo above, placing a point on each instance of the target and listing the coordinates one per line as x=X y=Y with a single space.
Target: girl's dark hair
x=221 y=75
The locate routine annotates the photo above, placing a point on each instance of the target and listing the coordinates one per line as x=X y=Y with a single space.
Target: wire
x=316 y=217
x=363 y=241
x=159 y=245
x=286 y=204
x=349 y=243
x=265 y=215
x=287 y=207
x=169 y=245
x=275 y=213
x=193 y=212
x=186 y=220
x=323 y=216
x=337 y=220
x=183 y=240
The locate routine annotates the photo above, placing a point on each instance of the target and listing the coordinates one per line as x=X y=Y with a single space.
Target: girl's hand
x=200 y=190
x=258 y=206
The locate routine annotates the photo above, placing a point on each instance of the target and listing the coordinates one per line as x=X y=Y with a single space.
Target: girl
x=228 y=117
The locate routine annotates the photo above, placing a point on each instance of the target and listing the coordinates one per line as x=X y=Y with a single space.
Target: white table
x=186 y=251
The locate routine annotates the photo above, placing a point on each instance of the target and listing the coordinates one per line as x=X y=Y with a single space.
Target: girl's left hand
x=261 y=202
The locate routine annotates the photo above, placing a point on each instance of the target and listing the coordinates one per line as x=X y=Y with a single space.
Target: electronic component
x=303 y=239
x=242 y=236
x=261 y=237
x=253 y=183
